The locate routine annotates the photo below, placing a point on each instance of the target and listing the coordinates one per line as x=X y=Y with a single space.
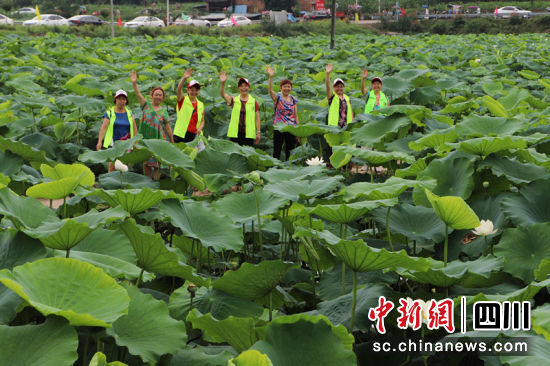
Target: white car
x=47 y=19
x=144 y=21
x=195 y=22
x=25 y=11
x=4 y=20
x=508 y=11
x=239 y=19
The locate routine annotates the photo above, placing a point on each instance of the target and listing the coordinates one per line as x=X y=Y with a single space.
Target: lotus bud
x=254 y=177
x=486 y=228
x=192 y=289
x=120 y=166
x=315 y=161
x=485 y=184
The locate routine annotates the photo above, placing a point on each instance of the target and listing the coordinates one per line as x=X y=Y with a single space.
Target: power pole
x=167 y=13
x=112 y=21
x=332 y=23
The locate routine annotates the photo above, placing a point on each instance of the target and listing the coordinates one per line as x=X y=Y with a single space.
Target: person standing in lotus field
x=339 y=110
x=154 y=122
x=190 y=117
x=244 y=126
x=374 y=98
x=118 y=124
x=285 y=113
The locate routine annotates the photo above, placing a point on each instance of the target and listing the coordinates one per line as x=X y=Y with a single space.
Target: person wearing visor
x=190 y=110
x=285 y=113
x=154 y=122
x=244 y=126
x=374 y=99
x=118 y=124
x=339 y=110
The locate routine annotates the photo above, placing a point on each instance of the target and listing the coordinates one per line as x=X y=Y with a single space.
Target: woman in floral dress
x=154 y=122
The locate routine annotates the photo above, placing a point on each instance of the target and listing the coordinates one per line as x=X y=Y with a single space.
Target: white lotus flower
x=425 y=308
x=486 y=228
x=120 y=166
x=478 y=60
x=315 y=161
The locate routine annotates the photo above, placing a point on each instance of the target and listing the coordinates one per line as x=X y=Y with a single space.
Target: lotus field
x=237 y=258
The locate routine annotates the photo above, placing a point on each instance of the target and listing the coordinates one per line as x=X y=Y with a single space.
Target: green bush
x=481 y=25
x=441 y=27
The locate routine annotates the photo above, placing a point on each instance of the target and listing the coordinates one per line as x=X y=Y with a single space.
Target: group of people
x=244 y=125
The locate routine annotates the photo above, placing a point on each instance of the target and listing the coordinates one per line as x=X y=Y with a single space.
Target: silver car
x=4 y=20
x=46 y=19
x=193 y=21
x=508 y=11
x=145 y=21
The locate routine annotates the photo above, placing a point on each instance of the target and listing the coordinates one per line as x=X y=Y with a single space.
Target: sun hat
x=121 y=92
x=193 y=83
x=376 y=79
x=338 y=80
x=243 y=80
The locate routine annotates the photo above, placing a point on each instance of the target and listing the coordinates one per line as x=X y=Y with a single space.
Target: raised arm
x=224 y=95
x=328 y=70
x=363 y=77
x=133 y=78
x=271 y=72
x=179 y=90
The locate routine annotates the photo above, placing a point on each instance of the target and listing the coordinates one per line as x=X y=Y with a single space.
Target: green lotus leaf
x=74 y=85
x=24 y=211
x=65 y=234
x=539 y=352
x=414 y=222
x=17 y=248
x=320 y=342
x=153 y=255
x=11 y=164
x=64 y=130
x=307 y=129
x=113 y=243
x=25 y=151
x=168 y=154
x=200 y=222
x=415 y=112
x=241 y=207
x=250 y=358
x=339 y=159
x=218 y=168
x=201 y=356
x=479 y=126
x=77 y=291
x=494 y=107
x=116 y=152
x=54 y=190
x=374 y=132
x=335 y=139
x=459 y=107
x=296 y=190
x=358 y=256
x=374 y=157
x=256 y=159
x=529 y=74
x=346 y=213
x=148 y=330
x=133 y=200
x=413 y=170
x=253 y=281
x=492 y=88
x=277 y=175
x=454 y=176
x=434 y=140
x=314 y=253
x=533 y=156
x=61 y=171
x=437 y=275
x=514 y=170
x=4 y=181
x=541 y=321
x=218 y=303
x=454 y=211
x=52 y=343
x=238 y=332
x=529 y=206
x=391 y=188
x=523 y=249
x=10 y=304
x=485 y=146
x=100 y=359
x=129 y=180
x=543 y=271
x=523 y=294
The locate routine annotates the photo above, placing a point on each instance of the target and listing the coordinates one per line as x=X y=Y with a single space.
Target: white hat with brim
x=121 y=92
x=193 y=83
x=338 y=80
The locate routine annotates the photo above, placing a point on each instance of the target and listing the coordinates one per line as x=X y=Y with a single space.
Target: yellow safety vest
x=334 y=110
x=184 y=116
x=371 y=101
x=112 y=116
x=250 y=120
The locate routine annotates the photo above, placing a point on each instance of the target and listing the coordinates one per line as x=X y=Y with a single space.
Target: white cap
x=192 y=83
x=121 y=92
x=338 y=80
x=241 y=80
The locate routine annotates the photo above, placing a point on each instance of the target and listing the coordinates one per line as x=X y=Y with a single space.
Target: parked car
x=508 y=11
x=239 y=19
x=46 y=19
x=193 y=21
x=316 y=14
x=5 y=20
x=25 y=11
x=86 y=19
x=145 y=21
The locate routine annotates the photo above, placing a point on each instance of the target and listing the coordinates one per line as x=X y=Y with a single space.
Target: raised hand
x=133 y=76
x=328 y=68
x=188 y=73
x=270 y=71
x=223 y=76
x=365 y=73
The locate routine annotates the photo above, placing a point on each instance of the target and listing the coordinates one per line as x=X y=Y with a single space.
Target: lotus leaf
x=374 y=157
x=24 y=211
x=100 y=359
x=479 y=126
x=529 y=206
x=295 y=190
x=61 y=171
x=134 y=200
x=241 y=207
x=168 y=154
x=391 y=188
x=541 y=321
x=513 y=170
x=69 y=288
x=200 y=356
x=346 y=213
x=377 y=131
x=25 y=151
x=250 y=358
